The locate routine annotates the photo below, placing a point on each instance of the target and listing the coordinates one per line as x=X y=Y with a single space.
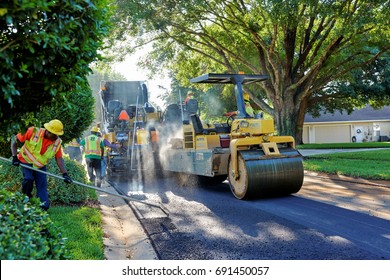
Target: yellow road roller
x=244 y=150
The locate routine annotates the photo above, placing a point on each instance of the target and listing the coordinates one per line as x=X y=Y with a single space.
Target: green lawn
x=364 y=164
x=82 y=226
x=345 y=145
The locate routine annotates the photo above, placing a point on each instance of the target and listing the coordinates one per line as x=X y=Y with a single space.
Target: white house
x=364 y=125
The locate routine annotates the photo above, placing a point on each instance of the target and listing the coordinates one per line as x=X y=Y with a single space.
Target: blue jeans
x=104 y=167
x=94 y=168
x=29 y=176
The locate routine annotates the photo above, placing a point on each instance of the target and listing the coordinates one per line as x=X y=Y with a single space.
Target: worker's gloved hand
x=15 y=161
x=67 y=179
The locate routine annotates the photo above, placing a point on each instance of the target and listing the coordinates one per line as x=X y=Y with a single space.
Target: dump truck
x=244 y=150
x=128 y=119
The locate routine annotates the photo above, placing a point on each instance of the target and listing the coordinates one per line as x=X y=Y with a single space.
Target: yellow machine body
x=247 y=153
x=251 y=127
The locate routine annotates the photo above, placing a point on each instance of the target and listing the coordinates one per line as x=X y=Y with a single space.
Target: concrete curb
x=124 y=238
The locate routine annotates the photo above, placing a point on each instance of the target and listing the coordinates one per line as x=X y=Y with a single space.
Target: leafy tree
x=367 y=85
x=74 y=117
x=303 y=45
x=45 y=51
x=74 y=109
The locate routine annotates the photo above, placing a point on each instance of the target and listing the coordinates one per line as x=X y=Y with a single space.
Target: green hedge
x=59 y=192
x=26 y=231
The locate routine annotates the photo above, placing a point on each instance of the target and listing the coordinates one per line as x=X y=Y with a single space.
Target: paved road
x=209 y=223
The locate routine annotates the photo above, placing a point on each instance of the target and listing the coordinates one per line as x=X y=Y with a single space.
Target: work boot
x=98 y=183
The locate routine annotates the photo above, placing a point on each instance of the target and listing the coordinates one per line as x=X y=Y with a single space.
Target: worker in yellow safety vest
x=248 y=107
x=107 y=148
x=40 y=145
x=93 y=147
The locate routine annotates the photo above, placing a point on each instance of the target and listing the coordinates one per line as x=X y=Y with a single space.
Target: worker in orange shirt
x=40 y=145
x=123 y=120
x=190 y=95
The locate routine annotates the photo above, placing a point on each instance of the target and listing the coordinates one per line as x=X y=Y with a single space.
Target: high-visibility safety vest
x=249 y=109
x=31 y=150
x=74 y=143
x=92 y=145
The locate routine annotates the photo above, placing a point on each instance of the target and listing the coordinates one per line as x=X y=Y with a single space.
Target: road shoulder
x=124 y=238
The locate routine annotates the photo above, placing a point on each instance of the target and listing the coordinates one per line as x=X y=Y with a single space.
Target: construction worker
x=73 y=149
x=190 y=95
x=123 y=119
x=107 y=147
x=40 y=145
x=248 y=108
x=93 y=147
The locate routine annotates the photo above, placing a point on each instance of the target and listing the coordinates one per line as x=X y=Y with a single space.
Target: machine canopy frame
x=236 y=79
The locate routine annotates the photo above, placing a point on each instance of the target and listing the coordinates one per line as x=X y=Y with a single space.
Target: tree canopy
x=45 y=51
x=369 y=84
x=303 y=45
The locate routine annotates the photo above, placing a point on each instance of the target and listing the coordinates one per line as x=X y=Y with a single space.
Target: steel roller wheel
x=239 y=187
x=260 y=176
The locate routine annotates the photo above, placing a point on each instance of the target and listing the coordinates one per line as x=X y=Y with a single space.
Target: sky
x=132 y=72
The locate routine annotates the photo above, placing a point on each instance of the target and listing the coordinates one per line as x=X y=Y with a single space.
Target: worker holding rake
x=40 y=145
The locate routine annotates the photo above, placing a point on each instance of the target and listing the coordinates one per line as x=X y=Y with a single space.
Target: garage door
x=333 y=134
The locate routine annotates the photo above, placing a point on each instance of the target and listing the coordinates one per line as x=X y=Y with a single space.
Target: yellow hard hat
x=190 y=93
x=95 y=129
x=246 y=96
x=55 y=127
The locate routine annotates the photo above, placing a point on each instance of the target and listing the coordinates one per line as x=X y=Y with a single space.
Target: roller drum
x=267 y=176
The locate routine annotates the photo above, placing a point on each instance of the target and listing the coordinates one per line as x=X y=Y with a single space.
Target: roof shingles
x=364 y=114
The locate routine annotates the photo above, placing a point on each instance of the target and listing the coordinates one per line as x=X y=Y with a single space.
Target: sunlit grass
x=345 y=145
x=82 y=226
x=364 y=164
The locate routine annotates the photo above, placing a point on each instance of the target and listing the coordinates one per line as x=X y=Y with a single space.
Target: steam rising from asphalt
x=166 y=141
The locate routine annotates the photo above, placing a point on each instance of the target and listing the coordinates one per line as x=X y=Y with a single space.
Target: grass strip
x=82 y=226
x=367 y=164
x=345 y=145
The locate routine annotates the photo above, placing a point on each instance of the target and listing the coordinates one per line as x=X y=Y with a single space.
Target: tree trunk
x=300 y=121
x=289 y=117
x=285 y=121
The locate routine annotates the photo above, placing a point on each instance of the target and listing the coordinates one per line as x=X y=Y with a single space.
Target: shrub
x=60 y=192
x=63 y=193
x=10 y=177
x=26 y=231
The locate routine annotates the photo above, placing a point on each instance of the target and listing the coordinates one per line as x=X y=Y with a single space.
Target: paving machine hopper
x=244 y=150
x=128 y=119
